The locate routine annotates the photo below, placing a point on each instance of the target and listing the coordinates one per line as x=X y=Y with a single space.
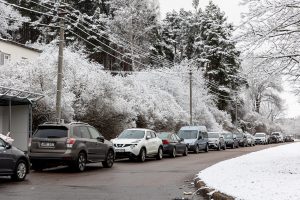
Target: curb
x=210 y=193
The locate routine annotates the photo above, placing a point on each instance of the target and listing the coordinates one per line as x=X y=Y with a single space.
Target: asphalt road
x=152 y=180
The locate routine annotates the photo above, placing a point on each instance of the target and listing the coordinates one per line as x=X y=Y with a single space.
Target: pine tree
x=217 y=55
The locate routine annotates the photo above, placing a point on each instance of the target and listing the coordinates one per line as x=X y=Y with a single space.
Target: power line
x=34 y=23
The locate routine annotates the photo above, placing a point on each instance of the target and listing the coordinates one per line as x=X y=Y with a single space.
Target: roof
x=200 y=128
x=17 y=97
x=20 y=45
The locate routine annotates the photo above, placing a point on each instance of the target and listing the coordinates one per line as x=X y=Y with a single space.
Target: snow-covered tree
x=10 y=20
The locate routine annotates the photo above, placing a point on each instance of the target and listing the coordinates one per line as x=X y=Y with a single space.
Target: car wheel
x=224 y=147
x=186 y=151
x=173 y=153
x=109 y=161
x=80 y=163
x=233 y=146
x=142 y=155
x=160 y=153
x=20 y=171
x=196 y=149
x=206 y=148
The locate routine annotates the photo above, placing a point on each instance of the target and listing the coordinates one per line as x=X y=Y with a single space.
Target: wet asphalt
x=167 y=179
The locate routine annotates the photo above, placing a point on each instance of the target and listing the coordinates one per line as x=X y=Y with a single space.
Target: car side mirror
x=101 y=139
x=148 y=137
x=181 y=140
x=200 y=137
x=7 y=146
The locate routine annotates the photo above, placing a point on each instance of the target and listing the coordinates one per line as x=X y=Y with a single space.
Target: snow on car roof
x=200 y=128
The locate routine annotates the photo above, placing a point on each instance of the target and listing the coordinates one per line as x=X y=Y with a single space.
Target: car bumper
x=54 y=158
x=213 y=145
x=126 y=152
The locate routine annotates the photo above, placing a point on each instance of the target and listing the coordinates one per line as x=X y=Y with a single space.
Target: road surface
x=127 y=180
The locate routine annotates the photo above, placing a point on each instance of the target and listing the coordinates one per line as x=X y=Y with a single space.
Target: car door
x=149 y=143
x=6 y=159
x=201 y=139
x=156 y=142
x=98 y=139
x=180 y=146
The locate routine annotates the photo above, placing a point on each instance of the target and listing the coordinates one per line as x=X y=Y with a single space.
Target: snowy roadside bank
x=270 y=174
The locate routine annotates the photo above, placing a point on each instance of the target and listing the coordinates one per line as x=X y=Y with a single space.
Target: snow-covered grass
x=270 y=174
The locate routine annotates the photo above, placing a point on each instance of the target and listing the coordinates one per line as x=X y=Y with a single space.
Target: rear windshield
x=259 y=135
x=277 y=134
x=188 y=134
x=51 y=132
x=213 y=135
x=163 y=135
x=239 y=135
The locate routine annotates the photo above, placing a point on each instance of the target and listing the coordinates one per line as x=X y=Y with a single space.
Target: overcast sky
x=232 y=11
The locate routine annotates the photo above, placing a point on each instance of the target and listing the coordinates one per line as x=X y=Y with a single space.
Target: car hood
x=213 y=139
x=125 y=141
x=190 y=141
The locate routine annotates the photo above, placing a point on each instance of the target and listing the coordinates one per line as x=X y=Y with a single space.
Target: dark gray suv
x=13 y=162
x=74 y=144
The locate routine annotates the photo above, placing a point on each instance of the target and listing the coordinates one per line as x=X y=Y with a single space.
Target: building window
x=4 y=58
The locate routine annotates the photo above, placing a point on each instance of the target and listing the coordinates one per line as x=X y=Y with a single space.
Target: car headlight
x=133 y=145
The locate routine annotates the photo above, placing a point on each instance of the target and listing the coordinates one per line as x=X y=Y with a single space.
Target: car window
x=77 y=132
x=2 y=143
x=173 y=138
x=148 y=133
x=51 y=132
x=85 y=132
x=153 y=134
x=178 y=138
x=95 y=134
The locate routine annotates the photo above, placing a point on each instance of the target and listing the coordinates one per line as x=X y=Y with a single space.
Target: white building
x=14 y=51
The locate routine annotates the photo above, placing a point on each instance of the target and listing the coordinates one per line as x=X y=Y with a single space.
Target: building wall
x=17 y=52
x=19 y=125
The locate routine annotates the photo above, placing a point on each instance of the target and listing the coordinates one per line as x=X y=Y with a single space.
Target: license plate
x=47 y=144
x=120 y=150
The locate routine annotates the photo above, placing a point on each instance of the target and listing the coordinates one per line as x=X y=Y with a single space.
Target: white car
x=138 y=143
x=261 y=138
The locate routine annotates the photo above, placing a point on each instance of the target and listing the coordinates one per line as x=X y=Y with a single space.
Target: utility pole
x=61 y=14
x=236 y=111
x=191 y=98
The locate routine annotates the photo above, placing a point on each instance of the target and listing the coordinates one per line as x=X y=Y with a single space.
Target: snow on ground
x=270 y=174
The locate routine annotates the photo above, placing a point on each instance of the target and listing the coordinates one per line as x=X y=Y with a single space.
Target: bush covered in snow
x=157 y=99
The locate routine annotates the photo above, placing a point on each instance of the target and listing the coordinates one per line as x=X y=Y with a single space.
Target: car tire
x=224 y=147
x=142 y=155
x=173 y=153
x=20 y=171
x=206 y=148
x=80 y=163
x=159 y=155
x=186 y=151
x=109 y=161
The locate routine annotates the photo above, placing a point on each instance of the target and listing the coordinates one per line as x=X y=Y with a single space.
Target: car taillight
x=165 y=142
x=70 y=142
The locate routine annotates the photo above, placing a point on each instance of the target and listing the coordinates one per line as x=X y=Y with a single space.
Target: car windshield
x=51 y=132
x=163 y=135
x=259 y=135
x=277 y=134
x=213 y=135
x=188 y=134
x=239 y=135
x=132 y=134
x=228 y=136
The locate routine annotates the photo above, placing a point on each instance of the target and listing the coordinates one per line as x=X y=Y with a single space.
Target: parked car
x=250 y=139
x=13 y=162
x=279 y=136
x=74 y=144
x=289 y=138
x=195 y=136
x=242 y=138
x=231 y=140
x=172 y=144
x=216 y=141
x=261 y=138
x=138 y=143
